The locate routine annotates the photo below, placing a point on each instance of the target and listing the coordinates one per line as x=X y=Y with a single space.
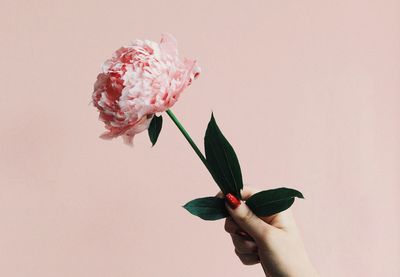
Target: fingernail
x=232 y=201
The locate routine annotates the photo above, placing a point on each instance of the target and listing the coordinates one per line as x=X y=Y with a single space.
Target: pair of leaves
x=263 y=203
x=224 y=167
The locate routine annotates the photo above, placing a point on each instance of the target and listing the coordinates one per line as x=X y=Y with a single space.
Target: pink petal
x=169 y=44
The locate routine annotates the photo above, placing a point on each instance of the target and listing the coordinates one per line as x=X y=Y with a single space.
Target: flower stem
x=188 y=138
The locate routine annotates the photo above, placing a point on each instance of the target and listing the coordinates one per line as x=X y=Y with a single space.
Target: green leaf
x=155 y=128
x=222 y=160
x=269 y=202
x=207 y=208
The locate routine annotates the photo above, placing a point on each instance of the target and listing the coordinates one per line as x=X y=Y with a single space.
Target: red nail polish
x=232 y=201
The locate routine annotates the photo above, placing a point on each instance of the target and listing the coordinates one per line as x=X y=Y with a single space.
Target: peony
x=146 y=78
x=140 y=80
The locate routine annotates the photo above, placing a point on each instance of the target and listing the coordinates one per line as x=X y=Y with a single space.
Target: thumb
x=246 y=219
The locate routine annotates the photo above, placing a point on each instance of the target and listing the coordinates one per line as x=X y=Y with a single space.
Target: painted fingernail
x=232 y=201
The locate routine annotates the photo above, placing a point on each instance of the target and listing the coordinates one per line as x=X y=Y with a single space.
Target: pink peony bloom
x=140 y=80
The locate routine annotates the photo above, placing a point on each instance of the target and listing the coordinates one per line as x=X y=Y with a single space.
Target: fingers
x=232 y=228
x=248 y=259
x=248 y=221
x=244 y=245
x=283 y=220
x=242 y=226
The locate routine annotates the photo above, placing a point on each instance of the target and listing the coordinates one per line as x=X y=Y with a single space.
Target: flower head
x=140 y=80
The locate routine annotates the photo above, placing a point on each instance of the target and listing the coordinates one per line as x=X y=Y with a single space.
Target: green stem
x=188 y=138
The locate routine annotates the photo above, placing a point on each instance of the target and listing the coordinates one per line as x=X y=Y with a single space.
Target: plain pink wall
x=306 y=91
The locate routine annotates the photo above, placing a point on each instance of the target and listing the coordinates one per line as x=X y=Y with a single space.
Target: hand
x=273 y=241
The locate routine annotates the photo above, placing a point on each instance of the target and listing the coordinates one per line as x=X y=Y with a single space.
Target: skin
x=273 y=241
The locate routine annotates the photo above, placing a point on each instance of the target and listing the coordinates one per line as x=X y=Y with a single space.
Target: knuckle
x=252 y=248
x=246 y=247
x=228 y=226
x=251 y=262
x=247 y=259
x=247 y=216
x=239 y=252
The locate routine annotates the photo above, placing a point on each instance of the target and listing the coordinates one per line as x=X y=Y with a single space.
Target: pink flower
x=140 y=80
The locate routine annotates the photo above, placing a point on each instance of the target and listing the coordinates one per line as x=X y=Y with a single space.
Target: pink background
x=306 y=91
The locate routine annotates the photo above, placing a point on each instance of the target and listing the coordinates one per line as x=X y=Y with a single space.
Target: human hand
x=273 y=241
